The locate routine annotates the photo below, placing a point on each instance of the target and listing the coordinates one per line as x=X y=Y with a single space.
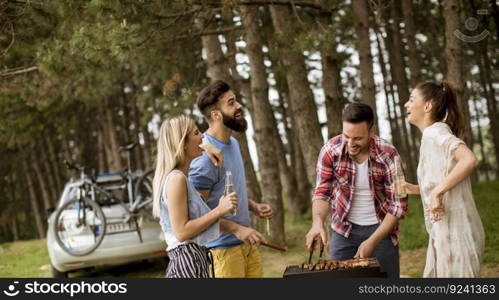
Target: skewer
x=311 y=252
x=273 y=246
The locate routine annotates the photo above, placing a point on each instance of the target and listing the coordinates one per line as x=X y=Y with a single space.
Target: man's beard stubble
x=234 y=124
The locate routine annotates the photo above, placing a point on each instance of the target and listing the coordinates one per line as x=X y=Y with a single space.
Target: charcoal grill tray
x=358 y=272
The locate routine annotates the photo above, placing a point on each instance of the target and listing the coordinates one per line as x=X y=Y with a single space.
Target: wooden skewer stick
x=273 y=246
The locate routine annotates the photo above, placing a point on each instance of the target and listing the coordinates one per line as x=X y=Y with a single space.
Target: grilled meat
x=337 y=264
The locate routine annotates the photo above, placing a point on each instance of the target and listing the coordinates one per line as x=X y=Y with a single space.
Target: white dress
x=456 y=243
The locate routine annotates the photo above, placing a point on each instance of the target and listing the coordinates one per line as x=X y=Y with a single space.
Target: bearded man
x=235 y=252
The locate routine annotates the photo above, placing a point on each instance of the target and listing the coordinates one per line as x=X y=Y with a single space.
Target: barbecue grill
x=342 y=271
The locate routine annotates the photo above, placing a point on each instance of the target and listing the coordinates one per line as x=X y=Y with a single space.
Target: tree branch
x=12 y=40
x=207 y=32
x=18 y=71
x=273 y=2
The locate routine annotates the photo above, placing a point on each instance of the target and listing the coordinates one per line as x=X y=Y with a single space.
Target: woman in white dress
x=456 y=236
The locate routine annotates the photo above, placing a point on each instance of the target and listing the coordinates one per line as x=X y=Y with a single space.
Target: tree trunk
x=488 y=91
x=16 y=208
x=238 y=83
x=217 y=66
x=101 y=153
x=410 y=33
x=126 y=118
x=399 y=78
x=54 y=161
x=484 y=64
x=296 y=191
x=139 y=150
x=111 y=143
x=218 y=69
x=492 y=109
x=14 y=228
x=264 y=124
x=363 y=44
x=296 y=187
x=48 y=203
x=495 y=13
x=435 y=35
x=148 y=144
x=304 y=186
x=243 y=84
x=254 y=191
x=303 y=107
x=40 y=228
x=333 y=90
x=454 y=58
x=484 y=163
x=331 y=78
x=387 y=86
x=49 y=175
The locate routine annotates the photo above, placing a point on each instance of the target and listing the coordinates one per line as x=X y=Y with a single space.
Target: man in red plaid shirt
x=355 y=180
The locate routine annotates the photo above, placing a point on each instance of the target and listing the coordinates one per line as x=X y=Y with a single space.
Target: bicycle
x=80 y=223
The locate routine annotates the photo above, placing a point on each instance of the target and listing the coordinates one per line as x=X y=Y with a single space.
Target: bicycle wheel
x=79 y=226
x=143 y=193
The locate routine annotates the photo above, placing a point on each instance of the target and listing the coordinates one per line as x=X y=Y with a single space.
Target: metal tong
x=313 y=248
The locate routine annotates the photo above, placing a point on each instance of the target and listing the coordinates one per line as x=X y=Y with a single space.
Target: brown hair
x=445 y=107
x=209 y=96
x=358 y=113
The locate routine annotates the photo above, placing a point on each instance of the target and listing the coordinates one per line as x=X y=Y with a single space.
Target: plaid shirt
x=336 y=182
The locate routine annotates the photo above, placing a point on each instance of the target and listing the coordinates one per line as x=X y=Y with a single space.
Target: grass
x=30 y=258
x=24 y=259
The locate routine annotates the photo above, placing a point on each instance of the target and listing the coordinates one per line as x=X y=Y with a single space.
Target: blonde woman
x=456 y=236
x=186 y=220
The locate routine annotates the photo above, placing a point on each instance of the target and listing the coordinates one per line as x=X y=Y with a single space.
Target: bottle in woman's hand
x=228 y=203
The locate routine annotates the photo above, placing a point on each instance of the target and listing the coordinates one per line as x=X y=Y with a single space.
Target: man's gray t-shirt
x=206 y=176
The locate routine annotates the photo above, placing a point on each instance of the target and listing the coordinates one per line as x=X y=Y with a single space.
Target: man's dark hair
x=208 y=98
x=358 y=113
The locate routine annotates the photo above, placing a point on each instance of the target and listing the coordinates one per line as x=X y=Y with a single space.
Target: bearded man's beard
x=238 y=125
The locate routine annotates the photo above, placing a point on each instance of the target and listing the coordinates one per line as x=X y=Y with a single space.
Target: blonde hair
x=171 y=153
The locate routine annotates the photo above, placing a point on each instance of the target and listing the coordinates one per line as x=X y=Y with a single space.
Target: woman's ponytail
x=445 y=106
x=454 y=117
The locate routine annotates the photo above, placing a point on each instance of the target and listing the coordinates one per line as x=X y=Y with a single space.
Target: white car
x=121 y=244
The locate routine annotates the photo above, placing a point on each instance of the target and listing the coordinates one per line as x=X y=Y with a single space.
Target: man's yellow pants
x=242 y=261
